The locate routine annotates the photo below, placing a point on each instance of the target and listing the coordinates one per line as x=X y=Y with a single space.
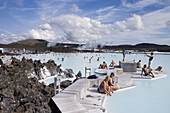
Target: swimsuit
x=149 y=63
x=101 y=87
x=150 y=59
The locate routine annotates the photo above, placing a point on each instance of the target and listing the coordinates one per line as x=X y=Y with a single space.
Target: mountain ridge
x=40 y=44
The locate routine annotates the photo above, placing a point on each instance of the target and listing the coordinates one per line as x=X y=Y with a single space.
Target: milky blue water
x=149 y=96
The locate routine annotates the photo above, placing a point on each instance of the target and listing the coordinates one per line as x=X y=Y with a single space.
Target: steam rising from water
x=87 y=45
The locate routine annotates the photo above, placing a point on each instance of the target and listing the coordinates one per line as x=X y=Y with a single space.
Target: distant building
x=130 y=51
x=15 y=50
x=5 y=50
x=71 y=45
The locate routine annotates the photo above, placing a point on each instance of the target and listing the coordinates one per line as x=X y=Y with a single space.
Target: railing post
x=59 y=85
x=55 y=85
x=87 y=69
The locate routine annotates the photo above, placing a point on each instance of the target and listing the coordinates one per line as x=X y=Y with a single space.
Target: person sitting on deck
x=104 y=87
x=111 y=82
x=103 y=66
x=139 y=64
x=112 y=64
x=146 y=73
x=159 y=69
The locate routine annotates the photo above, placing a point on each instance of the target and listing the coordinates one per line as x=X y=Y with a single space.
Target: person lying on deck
x=104 y=87
x=112 y=64
x=159 y=69
x=103 y=66
x=146 y=73
x=111 y=82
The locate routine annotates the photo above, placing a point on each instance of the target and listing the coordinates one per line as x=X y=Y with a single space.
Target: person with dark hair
x=146 y=73
x=104 y=87
x=159 y=69
x=111 y=82
x=150 y=60
x=139 y=64
x=103 y=66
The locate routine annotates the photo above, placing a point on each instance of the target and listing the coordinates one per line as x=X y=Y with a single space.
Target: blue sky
x=84 y=21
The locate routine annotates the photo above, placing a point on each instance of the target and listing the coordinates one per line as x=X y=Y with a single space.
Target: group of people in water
x=104 y=65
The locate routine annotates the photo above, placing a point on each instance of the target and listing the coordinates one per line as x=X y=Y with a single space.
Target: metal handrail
x=87 y=70
x=57 y=79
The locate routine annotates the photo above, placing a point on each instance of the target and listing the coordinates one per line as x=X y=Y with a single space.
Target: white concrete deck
x=82 y=97
x=137 y=75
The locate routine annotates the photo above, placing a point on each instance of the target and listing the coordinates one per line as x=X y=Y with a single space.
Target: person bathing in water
x=146 y=73
x=159 y=69
x=103 y=66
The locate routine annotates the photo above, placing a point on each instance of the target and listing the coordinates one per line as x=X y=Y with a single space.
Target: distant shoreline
x=35 y=45
x=155 y=53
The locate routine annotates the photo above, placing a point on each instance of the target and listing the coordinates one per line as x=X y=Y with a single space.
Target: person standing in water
x=124 y=55
x=150 y=60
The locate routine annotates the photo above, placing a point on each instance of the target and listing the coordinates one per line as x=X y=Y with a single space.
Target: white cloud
x=46 y=34
x=157 y=20
x=104 y=9
x=4 y=38
x=106 y=14
x=80 y=29
x=133 y=23
x=41 y=34
x=156 y=29
x=45 y=27
x=75 y=8
x=144 y=3
x=140 y=4
x=8 y=37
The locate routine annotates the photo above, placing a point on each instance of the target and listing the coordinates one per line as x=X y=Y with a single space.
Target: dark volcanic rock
x=20 y=91
x=20 y=94
x=79 y=74
x=52 y=67
x=65 y=84
x=92 y=77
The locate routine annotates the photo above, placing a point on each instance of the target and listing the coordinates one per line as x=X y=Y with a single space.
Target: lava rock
x=79 y=74
x=92 y=77
x=65 y=84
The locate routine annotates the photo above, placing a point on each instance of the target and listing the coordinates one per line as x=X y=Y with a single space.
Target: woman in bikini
x=104 y=87
x=111 y=82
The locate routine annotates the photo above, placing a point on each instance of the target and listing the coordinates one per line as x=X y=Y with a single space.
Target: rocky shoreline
x=20 y=91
